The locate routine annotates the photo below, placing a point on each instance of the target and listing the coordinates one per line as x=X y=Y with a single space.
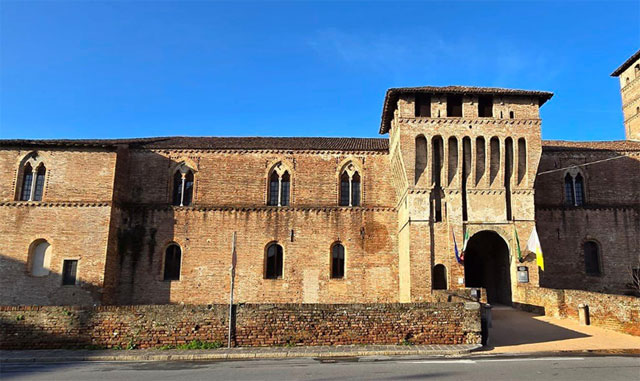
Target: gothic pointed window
x=39 y=186
x=273 y=265
x=183 y=181
x=27 y=182
x=31 y=178
x=350 y=186
x=574 y=189
x=337 y=261
x=579 y=190
x=279 y=190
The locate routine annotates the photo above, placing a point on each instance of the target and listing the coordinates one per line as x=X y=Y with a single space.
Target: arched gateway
x=486 y=265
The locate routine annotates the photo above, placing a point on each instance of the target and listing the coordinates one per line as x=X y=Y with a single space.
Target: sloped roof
x=216 y=143
x=626 y=64
x=391 y=98
x=609 y=145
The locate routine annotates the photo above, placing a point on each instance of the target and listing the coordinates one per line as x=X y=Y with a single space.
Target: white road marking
x=535 y=359
x=440 y=362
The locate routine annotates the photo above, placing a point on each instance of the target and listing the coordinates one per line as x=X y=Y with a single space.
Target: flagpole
x=232 y=270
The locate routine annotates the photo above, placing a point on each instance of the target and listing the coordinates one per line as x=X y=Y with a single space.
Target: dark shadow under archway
x=486 y=265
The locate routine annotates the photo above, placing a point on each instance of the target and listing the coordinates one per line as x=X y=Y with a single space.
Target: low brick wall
x=616 y=312
x=255 y=325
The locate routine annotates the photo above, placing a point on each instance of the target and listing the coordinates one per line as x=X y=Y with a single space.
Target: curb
x=240 y=356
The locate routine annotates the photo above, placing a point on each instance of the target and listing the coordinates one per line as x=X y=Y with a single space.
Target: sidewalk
x=62 y=355
x=516 y=331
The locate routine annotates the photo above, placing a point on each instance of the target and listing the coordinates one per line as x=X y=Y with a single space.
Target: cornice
x=63 y=204
x=260 y=151
x=258 y=208
x=467 y=121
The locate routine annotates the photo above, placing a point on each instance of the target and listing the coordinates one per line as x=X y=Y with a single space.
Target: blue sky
x=133 y=69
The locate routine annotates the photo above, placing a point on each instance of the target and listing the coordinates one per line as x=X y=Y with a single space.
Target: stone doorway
x=486 y=265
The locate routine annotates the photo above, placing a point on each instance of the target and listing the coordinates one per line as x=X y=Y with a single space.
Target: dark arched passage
x=486 y=265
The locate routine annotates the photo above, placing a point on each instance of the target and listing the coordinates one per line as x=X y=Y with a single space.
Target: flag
x=534 y=246
x=459 y=258
x=518 y=244
x=464 y=244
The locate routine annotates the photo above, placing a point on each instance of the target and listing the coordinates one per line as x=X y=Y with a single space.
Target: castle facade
x=447 y=201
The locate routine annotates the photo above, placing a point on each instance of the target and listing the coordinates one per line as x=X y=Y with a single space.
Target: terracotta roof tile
x=610 y=145
x=626 y=64
x=217 y=143
x=391 y=97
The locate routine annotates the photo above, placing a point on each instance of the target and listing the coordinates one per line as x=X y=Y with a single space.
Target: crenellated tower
x=464 y=160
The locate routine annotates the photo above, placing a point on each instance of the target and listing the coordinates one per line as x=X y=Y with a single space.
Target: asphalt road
x=520 y=369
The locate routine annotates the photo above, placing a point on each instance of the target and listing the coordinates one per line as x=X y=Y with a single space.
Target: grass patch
x=195 y=344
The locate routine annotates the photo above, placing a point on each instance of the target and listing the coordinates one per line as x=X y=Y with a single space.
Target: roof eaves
x=626 y=64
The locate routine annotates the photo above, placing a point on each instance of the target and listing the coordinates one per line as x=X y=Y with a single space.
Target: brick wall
x=256 y=325
x=617 y=312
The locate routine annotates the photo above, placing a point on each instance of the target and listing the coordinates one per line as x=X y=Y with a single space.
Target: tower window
x=512 y=115
x=454 y=105
x=485 y=106
x=33 y=176
x=423 y=105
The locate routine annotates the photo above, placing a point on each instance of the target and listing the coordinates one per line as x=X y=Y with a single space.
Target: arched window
x=579 y=190
x=172 y=262
x=337 y=261
x=568 y=190
x=627 y=81
x=40 y=258
x=512 y=114
x=592 y=258
x=439 y=277
x=273 y=265
x=31 y=178
x=183 y=181
x=279 y=186
x=39 y=186
x=350 y=186
x=637 y=70
x=574 y=189
x=27 y=183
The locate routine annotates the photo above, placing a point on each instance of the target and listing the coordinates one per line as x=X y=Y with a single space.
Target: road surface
x=514 y=368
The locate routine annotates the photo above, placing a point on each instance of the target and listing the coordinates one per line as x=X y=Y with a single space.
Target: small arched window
x=40 y=258
x=574 y=189
x=273 y=265
x=637 y=70
x=592 y=258
x=637 y=109
x=279 y=186
x=337 y=261
x=183 y=181
x=627 y=82
x=350 y=186
x=439 y=277
x=512 y=114
x=172 y=262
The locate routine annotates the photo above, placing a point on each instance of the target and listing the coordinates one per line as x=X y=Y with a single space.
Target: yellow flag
x=534 y=246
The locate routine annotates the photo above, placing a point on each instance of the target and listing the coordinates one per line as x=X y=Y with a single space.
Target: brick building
x=326 y=220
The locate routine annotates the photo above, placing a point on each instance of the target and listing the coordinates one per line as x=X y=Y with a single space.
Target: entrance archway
x=486 y=265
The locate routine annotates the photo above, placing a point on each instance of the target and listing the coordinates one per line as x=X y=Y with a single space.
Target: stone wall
x=255 y=325
x=616 y=312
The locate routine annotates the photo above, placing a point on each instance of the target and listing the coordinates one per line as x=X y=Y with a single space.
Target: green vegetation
x=195 y=344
